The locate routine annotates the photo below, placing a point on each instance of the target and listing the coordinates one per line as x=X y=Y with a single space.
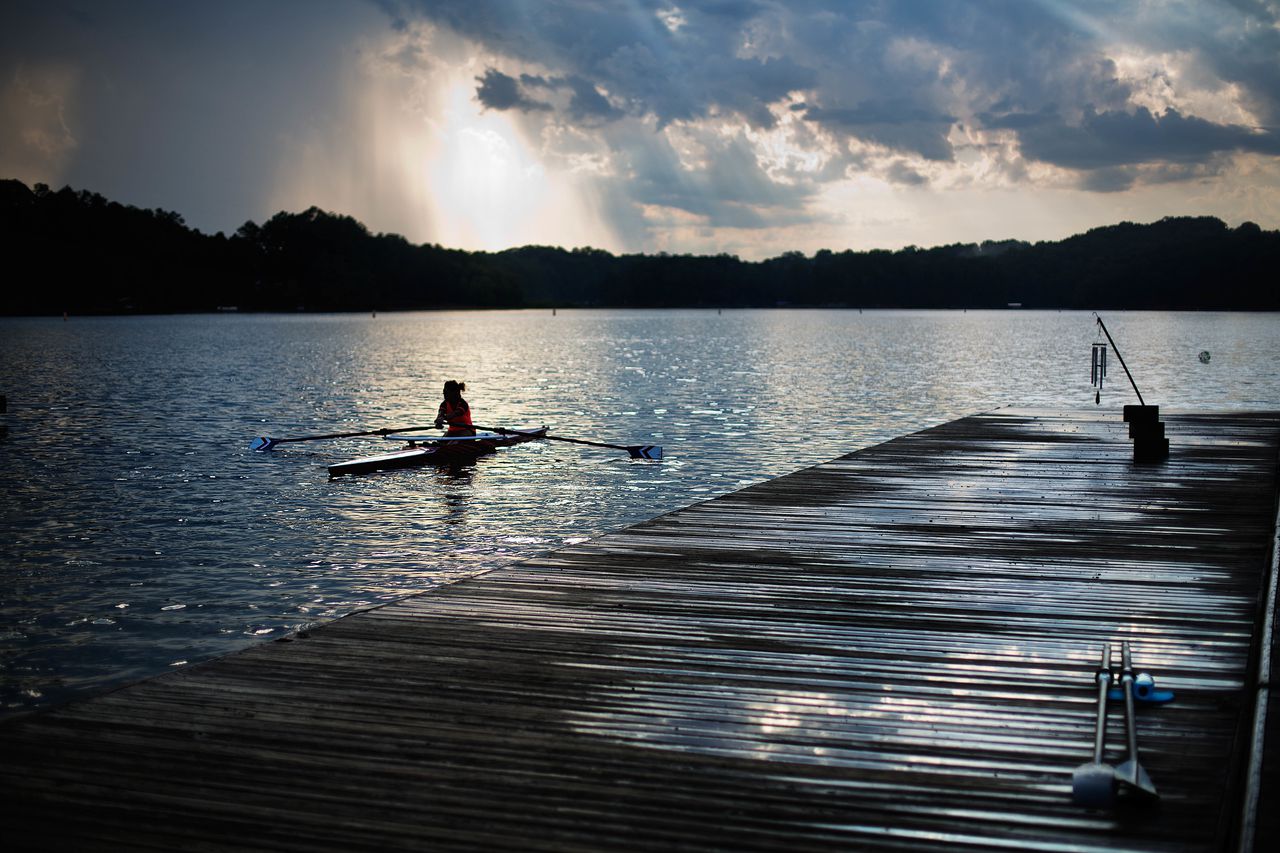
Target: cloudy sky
x=744 y=126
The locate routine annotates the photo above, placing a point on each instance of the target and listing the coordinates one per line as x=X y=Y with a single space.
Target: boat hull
x=431 y=452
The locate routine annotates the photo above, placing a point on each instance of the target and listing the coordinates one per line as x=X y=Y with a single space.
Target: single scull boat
x=436 y=450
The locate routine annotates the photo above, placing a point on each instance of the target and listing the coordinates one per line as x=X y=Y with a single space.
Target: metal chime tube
x=1098 y=369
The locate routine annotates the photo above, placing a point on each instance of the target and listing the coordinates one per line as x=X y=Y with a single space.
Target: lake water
x=139 y=533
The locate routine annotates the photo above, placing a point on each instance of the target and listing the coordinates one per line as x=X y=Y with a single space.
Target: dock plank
x=893 y=650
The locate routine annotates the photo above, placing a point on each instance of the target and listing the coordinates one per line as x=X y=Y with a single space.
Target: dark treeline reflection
x=77 y=252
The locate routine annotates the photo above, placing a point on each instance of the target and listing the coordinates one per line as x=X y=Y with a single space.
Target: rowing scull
x=435 y=450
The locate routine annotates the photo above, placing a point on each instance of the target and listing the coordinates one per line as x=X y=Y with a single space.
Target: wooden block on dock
x=1150 y=449
x=1141 y=414
x=1139 y=430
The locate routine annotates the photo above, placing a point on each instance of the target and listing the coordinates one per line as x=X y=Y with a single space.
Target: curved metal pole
x=1119 y=356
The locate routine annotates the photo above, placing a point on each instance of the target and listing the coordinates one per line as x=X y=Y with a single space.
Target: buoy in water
x=1204 y=356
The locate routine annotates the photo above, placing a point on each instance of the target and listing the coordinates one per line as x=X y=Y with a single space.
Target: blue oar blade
x=262 y=443
x=647 y=451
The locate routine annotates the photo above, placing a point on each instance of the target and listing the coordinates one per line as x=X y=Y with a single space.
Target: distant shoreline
x=79 y=253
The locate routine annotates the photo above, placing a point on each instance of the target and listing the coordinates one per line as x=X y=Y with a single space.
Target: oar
x=264 y=443
x=1093 y=783
x=1131 y=772
x=637 y=451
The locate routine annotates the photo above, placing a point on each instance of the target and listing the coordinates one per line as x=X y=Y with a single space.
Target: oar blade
x=646 y=451
x=1093 y=785
x=262 y=443
x=1134 y=776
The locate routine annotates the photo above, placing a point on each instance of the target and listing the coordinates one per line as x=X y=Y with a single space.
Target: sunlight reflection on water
x=140 y=532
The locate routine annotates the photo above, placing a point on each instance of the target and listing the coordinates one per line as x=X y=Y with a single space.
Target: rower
x=454 y=410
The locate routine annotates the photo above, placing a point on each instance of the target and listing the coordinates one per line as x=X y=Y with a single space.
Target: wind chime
x=1145 y=426
x=1098 y=370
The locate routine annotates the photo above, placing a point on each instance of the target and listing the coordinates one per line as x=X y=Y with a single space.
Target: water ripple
x=140 y=533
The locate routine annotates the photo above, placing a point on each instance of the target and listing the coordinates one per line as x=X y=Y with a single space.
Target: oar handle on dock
x=1093 y=784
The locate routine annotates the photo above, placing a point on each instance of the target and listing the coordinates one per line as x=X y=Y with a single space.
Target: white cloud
x=672 y=18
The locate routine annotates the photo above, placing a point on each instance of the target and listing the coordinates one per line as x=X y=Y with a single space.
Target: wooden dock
x=892 y=650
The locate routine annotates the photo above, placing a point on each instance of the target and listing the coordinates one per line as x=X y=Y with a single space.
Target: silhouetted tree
x=77 y=251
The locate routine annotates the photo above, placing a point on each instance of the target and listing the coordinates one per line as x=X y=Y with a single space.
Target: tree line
x=75 y=251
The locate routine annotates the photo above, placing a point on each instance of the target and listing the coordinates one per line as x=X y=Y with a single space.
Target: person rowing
x=454 y=410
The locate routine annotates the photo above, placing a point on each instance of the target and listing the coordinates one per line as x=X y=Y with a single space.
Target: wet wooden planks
x=893 y=650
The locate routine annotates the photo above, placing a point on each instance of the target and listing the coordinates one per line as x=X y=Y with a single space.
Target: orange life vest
x=459 y=418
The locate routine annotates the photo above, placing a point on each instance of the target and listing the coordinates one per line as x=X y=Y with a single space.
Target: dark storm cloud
x=183 y=105
x=912 y=128
x=732 y=190
x=1110 y=139
x=586 y=105
x=898 y=75
x=1110 y=180
x=625 y=49
x=1019 y=121
x=901 y=173
x=499 y=91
